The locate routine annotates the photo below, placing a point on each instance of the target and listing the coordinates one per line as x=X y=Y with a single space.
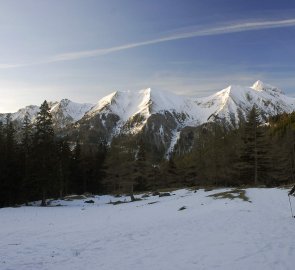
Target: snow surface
x=71 y=109
x=145 y=102
x=268 y=99
x=30 y=110
x=124 y=103
x=224 y=104
x=127 y=104
x=174 y=140
x=59 y=109
x=152 y=233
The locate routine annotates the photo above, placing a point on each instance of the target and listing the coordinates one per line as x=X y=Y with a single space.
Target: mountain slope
x=66 y=112
x=158 y=116
x=234 y=100
x=63 y=112
x=133 y=108
x=129 y=106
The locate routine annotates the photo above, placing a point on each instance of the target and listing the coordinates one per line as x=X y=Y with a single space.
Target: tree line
x=253 y=153
x=39 y=164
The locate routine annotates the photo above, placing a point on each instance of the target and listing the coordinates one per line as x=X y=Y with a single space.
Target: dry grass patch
x=232 y=194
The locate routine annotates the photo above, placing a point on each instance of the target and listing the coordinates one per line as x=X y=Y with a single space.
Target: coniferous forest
x=37 y=164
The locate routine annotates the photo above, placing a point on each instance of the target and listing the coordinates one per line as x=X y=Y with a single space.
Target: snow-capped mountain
x=161 y=116
x=30 y=110
x=63 y=112
x=158 y=115
x=234 y=100
x=66 y=112
x=133 y=109
x=144 y=102
x=229 y=103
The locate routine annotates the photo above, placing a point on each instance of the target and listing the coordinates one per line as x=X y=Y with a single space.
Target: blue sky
x=83 y=50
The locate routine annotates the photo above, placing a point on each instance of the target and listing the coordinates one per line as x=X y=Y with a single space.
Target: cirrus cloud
x=193 y=32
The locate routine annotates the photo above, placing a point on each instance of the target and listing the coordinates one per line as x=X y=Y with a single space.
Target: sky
x=85 y=49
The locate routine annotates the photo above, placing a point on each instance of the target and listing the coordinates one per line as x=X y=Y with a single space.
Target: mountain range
x=160 y=116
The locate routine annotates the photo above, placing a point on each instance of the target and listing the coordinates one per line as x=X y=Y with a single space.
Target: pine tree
x=283 y=144
x=64 y=166
x=26 y=155
x=26 y=140
x=255 y=159
x=76 y=174
x=44 y=152
x=9 y=138
x=140 y=169
x=170 y=173
x=99 y=167
x=11 y=174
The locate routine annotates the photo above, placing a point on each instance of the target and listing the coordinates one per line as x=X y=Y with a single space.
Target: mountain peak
x=258 y=85
x=65 y=101
x=261 y=86
x=66 y=111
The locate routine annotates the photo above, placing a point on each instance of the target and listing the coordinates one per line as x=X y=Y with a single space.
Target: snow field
x=209 y=234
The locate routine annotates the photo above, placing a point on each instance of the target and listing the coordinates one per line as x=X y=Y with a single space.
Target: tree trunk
x=255 y=157
x=131 y=194
x=61 y=182
x=43 y=202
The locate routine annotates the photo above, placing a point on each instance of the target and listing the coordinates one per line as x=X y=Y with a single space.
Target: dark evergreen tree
x=255 y=159
x=141 y=168
x=11 y=175
x=27 y=135
x=76 y=174
x=9 y=138
x=45 y=153
x=283 y=148
x=25 y=158
x=170 y=173
x=64 y=166
x=120 y=167
x=93 y=167
x=99 y=167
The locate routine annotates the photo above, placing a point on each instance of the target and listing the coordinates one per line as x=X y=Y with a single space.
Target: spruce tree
x=140 y=168
x=26 y=140
x=26 y=155
x=44 y=152
x=255 y=159
x=283 y=152
x=64 y=166
x=76 y=172
x=11 y=174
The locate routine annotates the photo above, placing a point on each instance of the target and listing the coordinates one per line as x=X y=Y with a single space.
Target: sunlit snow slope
x=227 y=103
x=161 y=112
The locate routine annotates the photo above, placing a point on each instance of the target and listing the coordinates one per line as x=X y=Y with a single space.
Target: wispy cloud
x=8 y=66
x=191 y=33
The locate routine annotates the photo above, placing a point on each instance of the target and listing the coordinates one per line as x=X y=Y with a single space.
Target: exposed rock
x=89 y=201
x=165 y=194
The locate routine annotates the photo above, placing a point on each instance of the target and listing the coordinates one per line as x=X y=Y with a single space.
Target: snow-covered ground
x=152 y=234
